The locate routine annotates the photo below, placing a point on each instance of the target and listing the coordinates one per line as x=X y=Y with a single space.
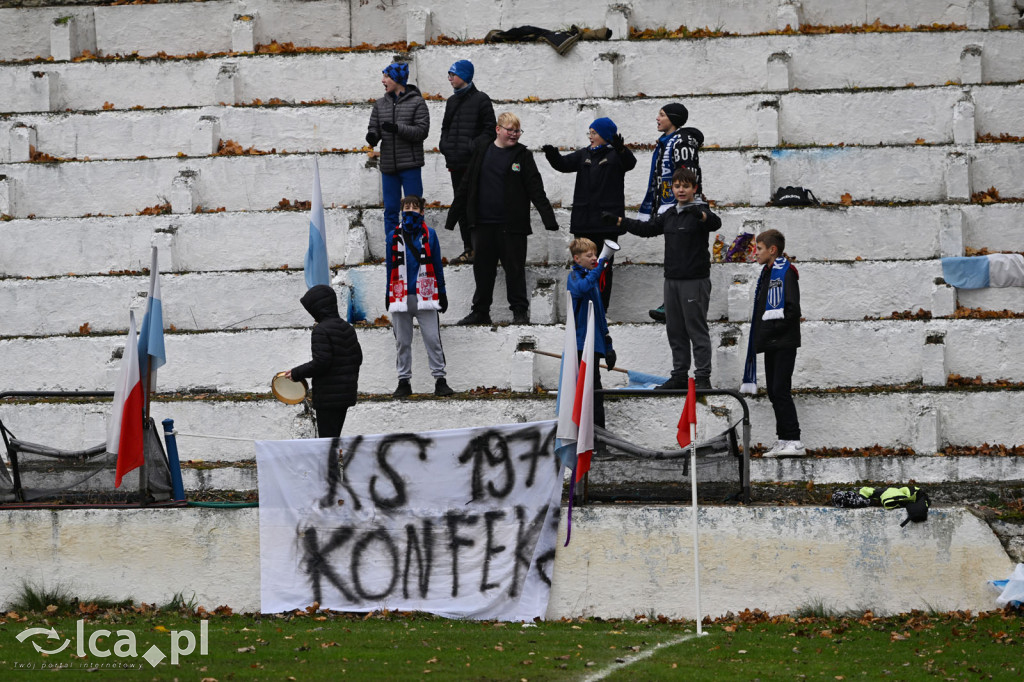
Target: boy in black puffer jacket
x=468 y=119
x=600 y=181
x=334 y=368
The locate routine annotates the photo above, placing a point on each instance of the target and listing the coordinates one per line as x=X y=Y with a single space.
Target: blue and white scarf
x=659 y=185
x=774 y=309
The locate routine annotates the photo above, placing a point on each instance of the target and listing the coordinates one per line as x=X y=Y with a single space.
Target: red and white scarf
x=426 y=282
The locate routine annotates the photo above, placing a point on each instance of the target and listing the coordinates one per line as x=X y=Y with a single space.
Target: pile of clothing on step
x=909 y=497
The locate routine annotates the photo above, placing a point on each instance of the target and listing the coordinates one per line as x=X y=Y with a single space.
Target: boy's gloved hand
x=389 y=127
x=372 y=139
x=443 y=299
x=549 y=149
x=610 y=357
x=609 y=218
x=618 y=142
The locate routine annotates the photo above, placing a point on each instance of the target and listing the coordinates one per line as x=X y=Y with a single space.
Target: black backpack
x=794 y=196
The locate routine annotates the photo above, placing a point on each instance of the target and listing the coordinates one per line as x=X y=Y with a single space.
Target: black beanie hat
x=676 y=113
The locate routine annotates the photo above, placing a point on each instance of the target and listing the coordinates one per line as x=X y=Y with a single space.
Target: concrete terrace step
x=834 y=354
x=867 y=117
x=260 y=240
x=922 y=421
x=915 y=173
x=214 y=26
x=208 y=301
x=621 y=69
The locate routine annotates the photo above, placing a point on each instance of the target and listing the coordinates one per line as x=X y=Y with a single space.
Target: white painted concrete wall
x=922 y=422
x=872 y=117
x=131 y=28
x=621 y=563
x=726 y=66
x=833 y=354
x=247 y=183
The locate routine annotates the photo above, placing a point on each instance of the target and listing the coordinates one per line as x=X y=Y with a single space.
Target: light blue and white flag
x=982 y=272
x=317 y=270
x=151 y=335
x=567 y=431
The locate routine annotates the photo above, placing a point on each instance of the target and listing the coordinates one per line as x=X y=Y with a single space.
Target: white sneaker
x=774 y=450
x=791 y=448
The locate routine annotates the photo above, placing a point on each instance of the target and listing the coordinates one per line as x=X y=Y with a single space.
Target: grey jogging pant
x=686 y=323
x=430 y=330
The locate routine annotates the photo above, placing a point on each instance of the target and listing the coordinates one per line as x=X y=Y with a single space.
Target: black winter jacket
x=600 y=181
x=403 y=149
x=778 y=334
x=686 y=239
x=523 y=185
x=468 y=117
x=336 y=352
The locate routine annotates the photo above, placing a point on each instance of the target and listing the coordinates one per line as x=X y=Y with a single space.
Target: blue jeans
x=393 y=185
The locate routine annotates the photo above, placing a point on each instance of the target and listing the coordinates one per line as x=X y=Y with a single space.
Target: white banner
x=461 y=523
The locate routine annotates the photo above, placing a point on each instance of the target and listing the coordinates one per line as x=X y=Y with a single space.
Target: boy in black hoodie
x=334 y=368
x=686 y=227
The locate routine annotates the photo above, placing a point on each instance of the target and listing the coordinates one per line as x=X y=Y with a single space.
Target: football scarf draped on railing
x=774 y=309
x=426 y=281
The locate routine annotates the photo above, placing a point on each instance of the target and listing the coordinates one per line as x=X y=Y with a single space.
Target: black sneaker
x=702 y=383
x=520 y=317
x=464 y=258
x=673 y=384
x=441 y=388
x=476 y=317
x=657 y=314
x=404 y=389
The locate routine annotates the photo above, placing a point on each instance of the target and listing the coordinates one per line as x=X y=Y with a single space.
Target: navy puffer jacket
x=337 y=356
x=468 y=117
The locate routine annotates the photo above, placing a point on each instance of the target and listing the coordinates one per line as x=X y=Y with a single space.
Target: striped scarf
x=426 y=281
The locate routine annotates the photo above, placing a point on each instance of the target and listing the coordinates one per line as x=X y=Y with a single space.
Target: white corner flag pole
x=696 y=550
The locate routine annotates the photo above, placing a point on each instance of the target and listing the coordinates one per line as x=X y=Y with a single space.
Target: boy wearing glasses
x=494 y=200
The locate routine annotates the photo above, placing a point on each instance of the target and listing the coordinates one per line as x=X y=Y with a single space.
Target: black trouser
x=778 y=372
x=491 y=245
x=329 y=422
x=605 y=282
x=598 y=397
x=467 y=238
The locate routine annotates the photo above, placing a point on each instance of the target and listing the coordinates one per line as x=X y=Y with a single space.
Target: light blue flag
x=317 y=271
x=151 y=335
x=566 y=431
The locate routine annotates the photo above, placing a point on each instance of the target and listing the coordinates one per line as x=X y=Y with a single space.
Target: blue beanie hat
x=463 y=69
x=398 y=72
x=606 y=128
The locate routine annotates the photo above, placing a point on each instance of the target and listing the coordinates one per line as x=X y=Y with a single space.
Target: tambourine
x=289 y=391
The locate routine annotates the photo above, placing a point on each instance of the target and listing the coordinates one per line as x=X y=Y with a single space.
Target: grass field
x=400 y=646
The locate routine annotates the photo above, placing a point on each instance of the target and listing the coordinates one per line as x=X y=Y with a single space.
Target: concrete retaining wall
x=622 y=69
x=213 y=27
x=268 y=240
x=247 y=183
x=834 y=354
x=862 y=117
x=621 y=562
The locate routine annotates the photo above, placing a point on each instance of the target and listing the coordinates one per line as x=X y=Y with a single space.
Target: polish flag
x=583 y=406
x=124 y=432
x=687 y=431
x=566 y=432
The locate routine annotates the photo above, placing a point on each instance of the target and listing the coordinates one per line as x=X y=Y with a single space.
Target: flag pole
x=693 y=497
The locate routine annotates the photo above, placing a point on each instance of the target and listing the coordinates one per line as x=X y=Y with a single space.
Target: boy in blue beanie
x=600 y=187
x=400 y=122
x=468 y=120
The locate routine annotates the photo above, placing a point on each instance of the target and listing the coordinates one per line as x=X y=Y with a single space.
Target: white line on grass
x=616 y=667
